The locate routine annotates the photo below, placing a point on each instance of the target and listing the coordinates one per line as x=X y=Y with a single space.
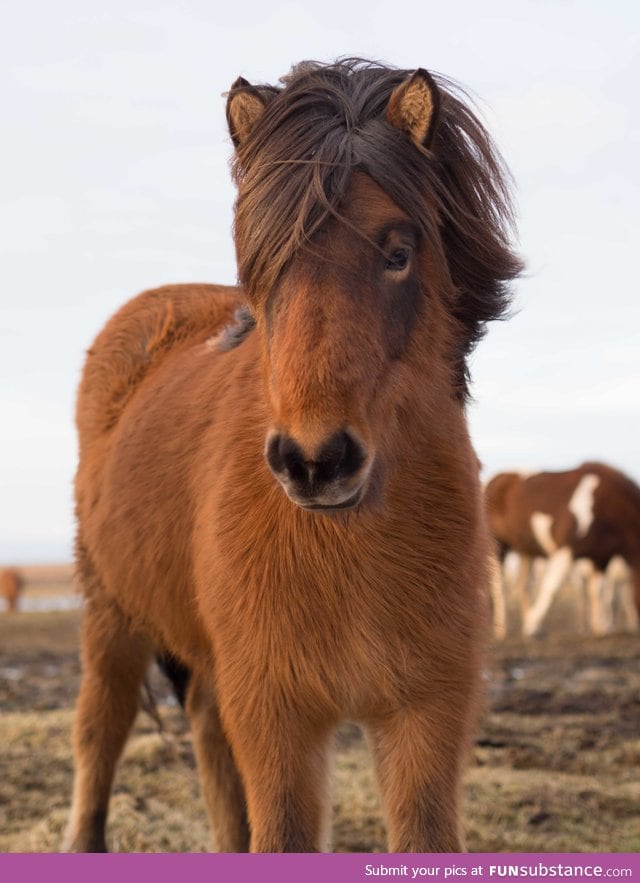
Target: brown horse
x=11 y=584
x=592 y=512
x=290 y=506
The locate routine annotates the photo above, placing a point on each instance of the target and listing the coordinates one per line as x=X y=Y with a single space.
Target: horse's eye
x=398 y=260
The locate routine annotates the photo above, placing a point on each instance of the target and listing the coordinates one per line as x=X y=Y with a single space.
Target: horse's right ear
x=245 y=104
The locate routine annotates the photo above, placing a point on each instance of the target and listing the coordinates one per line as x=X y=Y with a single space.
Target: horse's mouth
x=350 y=503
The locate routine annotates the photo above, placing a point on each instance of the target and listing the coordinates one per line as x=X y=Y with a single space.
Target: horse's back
x=132 y=494
x=137 y=338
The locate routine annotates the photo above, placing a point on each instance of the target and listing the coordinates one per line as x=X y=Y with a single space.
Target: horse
x=589 y=514
x=11 y=585
x=276 y=484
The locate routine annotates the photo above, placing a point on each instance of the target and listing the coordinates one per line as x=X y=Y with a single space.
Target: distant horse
x=592 y=512
x=11 y=584
x=288 y=503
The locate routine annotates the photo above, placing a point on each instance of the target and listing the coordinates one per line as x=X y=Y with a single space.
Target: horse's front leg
x=282 y=758
x=418 y=754
x=221 y=784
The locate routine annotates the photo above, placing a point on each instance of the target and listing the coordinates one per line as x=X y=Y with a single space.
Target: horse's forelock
x=294 y=171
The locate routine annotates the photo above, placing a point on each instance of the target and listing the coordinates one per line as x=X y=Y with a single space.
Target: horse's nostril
x=273 y=455
x=340 y=457
x=284 y=456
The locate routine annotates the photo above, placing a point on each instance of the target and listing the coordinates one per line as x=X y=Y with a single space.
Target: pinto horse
x=276 y=484
x=592 y=512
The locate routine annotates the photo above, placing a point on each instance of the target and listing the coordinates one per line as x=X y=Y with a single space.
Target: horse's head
x=341 y=222
x=338 y=325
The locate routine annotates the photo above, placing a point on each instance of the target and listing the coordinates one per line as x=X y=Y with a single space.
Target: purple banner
x=345 y=868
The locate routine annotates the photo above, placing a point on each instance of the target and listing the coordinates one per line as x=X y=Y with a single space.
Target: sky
x=114 y=178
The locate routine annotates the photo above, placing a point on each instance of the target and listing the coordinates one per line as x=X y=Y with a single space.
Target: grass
x=556 y=767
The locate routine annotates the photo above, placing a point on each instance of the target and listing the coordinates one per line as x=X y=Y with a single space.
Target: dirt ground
x=555 y=767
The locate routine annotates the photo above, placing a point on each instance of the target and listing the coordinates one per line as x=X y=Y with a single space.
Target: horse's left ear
x=414 y=106
x=245 y=104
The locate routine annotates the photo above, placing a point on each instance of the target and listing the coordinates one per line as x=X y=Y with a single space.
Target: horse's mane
x=324 y=122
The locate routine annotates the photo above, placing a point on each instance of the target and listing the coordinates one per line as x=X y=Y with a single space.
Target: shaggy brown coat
x=372 y=247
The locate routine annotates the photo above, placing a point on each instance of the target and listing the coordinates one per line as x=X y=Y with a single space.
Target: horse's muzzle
x=332 y=478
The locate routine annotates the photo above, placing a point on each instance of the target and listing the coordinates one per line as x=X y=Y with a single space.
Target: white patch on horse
x=555 y=574
x=581 y=503
x=541 y=525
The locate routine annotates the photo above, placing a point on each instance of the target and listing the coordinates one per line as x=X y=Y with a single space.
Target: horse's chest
x=332 y=633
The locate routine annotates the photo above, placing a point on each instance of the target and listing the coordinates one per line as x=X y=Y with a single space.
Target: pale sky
x=114 y=178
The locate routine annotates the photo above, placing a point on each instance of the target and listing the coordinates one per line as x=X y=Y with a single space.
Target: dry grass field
x=555 y=767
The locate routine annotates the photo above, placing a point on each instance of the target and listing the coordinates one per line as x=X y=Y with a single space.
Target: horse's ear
x=414 y=106
x=245 y=104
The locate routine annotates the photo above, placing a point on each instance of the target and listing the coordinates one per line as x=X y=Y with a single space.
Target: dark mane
x=326 y=121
